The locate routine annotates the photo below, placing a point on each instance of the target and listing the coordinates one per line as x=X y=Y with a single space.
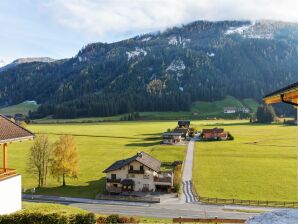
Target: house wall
x=138 y=178
x=10 y=195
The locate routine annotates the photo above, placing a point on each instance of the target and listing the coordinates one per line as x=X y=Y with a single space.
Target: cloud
x=108 y=19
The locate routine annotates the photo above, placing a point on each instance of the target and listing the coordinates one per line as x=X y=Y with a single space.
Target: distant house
x=172 y=137
x=140 y=172
x=233 y=110
x=214 y=134
x=230 y=110
x=183 y=124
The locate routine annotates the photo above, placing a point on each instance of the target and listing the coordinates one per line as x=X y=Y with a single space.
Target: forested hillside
x=164 y=71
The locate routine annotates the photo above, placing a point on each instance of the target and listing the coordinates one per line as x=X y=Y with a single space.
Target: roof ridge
x=4 y=117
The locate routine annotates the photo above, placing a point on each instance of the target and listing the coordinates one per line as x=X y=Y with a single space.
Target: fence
x=286 y=204
x=128 y=198
x=214 y=220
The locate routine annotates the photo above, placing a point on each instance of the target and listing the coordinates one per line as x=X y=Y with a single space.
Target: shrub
x=112 y=219
x=34 y=218
x=83 y=219
x=101 y=220
x=177 y=178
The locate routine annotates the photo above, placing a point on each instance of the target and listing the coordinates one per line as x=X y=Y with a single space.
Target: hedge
x=54 y=218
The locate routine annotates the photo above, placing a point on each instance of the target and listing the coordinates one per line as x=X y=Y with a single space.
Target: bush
x=83 y=219
x=116 y=219
x=177 y=178
x=34 y=218
x=112 y=219
x=54 y=218
x=101 y=220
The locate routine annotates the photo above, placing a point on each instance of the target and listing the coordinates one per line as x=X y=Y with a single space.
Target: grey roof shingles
x=11 y=132
x=141 y=157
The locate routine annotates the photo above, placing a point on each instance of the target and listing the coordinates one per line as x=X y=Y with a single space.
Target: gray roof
x=141 y=157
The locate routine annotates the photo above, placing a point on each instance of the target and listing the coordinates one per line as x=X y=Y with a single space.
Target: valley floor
x=259 y=164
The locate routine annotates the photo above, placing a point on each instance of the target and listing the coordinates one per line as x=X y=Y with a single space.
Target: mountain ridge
x=162 y=71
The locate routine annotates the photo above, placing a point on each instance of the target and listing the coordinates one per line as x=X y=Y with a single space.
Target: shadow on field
x=91 y=136
x=153 y=139
x=88 y=191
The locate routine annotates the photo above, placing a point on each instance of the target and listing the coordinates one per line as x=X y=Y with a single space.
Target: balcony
x=111 y=180
x=112 y=189
x=164 y=178
x=136 y=171
x=8 y=173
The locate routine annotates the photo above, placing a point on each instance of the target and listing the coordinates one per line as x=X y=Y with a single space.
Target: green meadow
x=261 y=163
x=99 y=145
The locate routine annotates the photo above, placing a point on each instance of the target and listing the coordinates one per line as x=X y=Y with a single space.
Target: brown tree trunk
x=63 y=177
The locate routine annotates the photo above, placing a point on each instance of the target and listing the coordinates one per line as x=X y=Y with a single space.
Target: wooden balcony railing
x=136 y=171
x=8 y=173
x=163 y=179
x=111 y=180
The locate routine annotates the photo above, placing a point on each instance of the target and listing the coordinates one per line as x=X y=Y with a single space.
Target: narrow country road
x=187 y=194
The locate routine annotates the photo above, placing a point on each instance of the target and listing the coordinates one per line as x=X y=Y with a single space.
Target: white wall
x=10 y=195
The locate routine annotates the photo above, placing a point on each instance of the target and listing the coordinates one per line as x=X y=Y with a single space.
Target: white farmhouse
x=10 y=181
x=140 y=172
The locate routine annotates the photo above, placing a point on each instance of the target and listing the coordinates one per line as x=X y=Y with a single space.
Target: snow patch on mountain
x=288 y=216
x=211 y=54
x=255 y=30
x=137 y=52
x=173 y=40
x=176 y=65
x=2 y=63
x=146 y=39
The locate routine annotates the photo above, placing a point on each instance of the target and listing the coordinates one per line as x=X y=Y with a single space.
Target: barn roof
x=141 y=157
x=12 y=132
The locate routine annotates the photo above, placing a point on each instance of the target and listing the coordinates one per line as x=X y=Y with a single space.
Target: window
x=115 y=185
x=130 y=167
x=113 y=176
x=142 y=168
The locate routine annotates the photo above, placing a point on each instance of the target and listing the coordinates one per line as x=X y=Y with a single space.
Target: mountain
x=19 y=61
x=2 y=63
x=162 y=71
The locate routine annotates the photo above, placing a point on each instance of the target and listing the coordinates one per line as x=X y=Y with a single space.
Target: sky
x=60 y=28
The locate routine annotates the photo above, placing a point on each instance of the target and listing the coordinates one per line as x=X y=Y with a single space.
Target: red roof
x=11 y=132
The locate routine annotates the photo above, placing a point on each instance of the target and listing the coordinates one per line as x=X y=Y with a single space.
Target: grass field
x=259 y=164
x=22 y=108
x=99 y=146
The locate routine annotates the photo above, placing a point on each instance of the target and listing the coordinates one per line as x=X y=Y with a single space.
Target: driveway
x=188 y=195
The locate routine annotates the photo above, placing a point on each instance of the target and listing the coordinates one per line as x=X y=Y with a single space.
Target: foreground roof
x=289 y=92
x=12 y=132
x=214 y=130
x=141 y=157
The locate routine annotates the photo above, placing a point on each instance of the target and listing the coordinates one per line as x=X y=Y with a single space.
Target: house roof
x=290 y=92
x=12 y=132
x=183 y=122
x=141 y=157
x=181 y=130
x=214 y=130
x=172 y=134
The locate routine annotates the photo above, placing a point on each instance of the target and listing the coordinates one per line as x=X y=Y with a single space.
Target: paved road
x=187 y=193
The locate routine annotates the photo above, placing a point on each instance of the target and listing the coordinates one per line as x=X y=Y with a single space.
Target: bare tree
x=40 y=157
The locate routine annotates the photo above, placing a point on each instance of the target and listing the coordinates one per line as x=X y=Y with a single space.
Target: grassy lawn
x=99 y=146
x=22 y=108
x=259 y=164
